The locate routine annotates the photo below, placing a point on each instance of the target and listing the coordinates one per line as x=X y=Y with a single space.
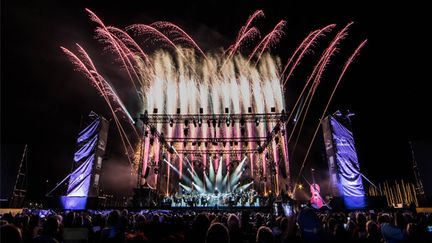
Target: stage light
x=155 y=110
x=260 y=149
x=250 y=109
x=242 y=121
x=257 y=121
x=300 y=186
x=231 y=143
x=199 y=144
x=144 y=117
x=199 y=122
x=194 y=122
x=242 y=131
x=214 y=122
x=201 y=110
x=186 y=122
x=184 y=144
x=171 y=122
x=226 y=110
x=186 y=131
x=153 y=131
x=272 y=109
x=178 y=111
x=227 y=121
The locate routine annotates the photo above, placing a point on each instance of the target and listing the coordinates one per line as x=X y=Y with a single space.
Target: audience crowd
x=308 y=225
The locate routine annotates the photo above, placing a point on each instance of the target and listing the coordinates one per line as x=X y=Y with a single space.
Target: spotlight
x=260 y=149
x=184 y=144
x=186 y=131
x=227 y=121
x=171 y=149
x=257 y=121
x=199 y=122
x=171 y=122
x=214 y=122
x=178 y=111
x=242 y=131
x=186 y=122
x=242 y=121
x=272 y=109
x=155 y=110
x=195 y=123
x=250 y=109
x=226 y=110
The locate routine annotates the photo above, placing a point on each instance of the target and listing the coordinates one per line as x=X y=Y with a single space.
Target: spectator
x=264 y=235
x=217 y=233
x=10 y=233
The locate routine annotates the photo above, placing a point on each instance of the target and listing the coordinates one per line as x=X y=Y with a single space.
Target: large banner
x=79 y=181
x=343 y=163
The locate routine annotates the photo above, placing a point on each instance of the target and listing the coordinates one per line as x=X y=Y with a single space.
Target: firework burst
x=170 y=73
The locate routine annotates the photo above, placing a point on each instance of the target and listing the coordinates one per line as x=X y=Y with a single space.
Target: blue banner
x=80 y=178
x=349 y=176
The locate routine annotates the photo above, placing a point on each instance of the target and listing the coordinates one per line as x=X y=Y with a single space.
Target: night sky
x=43 y=98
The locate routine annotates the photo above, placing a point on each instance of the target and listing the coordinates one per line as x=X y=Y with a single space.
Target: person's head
x=361 y=220
x=69 y=220
x=371 y=228
x=400 y=220
x=113 y=218
x=217 y=233
x=50 y=226
x=384 y=218
x=233 y=222
x=10 y=233
x=264 y=235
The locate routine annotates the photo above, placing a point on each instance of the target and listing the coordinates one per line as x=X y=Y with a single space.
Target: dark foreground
x=215 y=226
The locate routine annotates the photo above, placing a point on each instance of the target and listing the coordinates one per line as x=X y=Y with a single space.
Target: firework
x=171 y=74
